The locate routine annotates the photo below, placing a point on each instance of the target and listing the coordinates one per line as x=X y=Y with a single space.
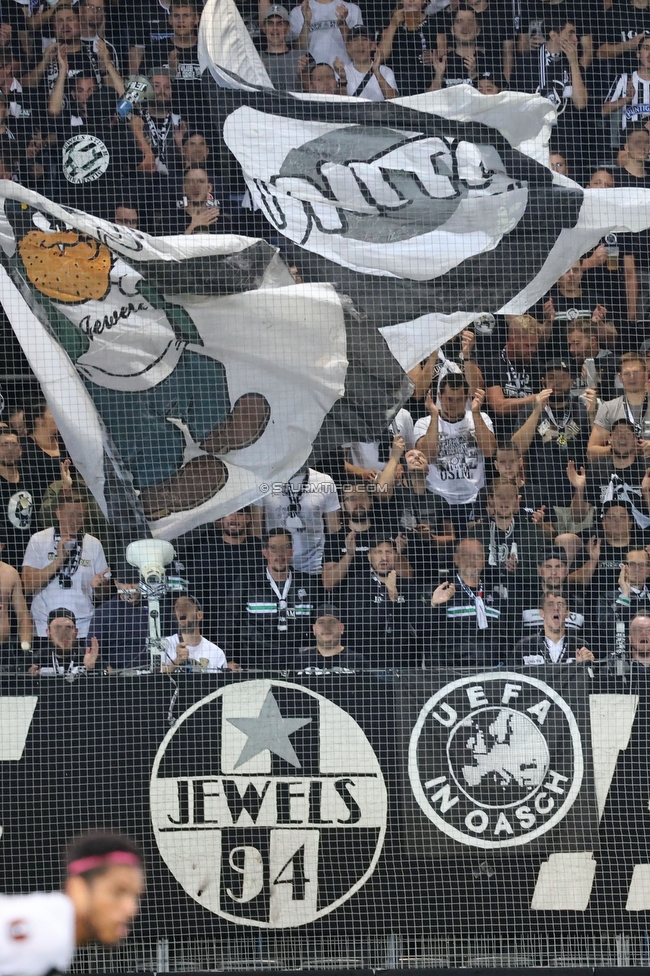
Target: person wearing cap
x=39 y=932
x=366 y=76
x=284 y=64
x=380 y=609
x=64 y=655
x=555 y=433
x=331 y=654
x=553 y=644
x=63 y=567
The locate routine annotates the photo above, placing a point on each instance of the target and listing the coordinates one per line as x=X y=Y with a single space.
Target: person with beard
x=633 y=406
x=215 y=557
x=456 y=440
x=512 y=377
x=78 y=108
x=271 y=612
x=624 y=476
x=346 y=550
x=332 y=654
x=158 y=131
x=553 y=645
x=79 y=58
x=64 y=655
x=583 y=344
x=381 y=609
x=556 y=432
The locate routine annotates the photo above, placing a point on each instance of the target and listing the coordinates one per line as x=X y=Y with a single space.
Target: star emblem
x=268 y=731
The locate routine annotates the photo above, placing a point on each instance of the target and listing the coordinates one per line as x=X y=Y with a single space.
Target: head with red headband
x=105 y=881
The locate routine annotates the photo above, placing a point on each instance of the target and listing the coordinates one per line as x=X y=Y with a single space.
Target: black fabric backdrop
x=88 y=759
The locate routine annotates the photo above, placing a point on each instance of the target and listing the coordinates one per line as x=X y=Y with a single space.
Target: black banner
x=478 y=805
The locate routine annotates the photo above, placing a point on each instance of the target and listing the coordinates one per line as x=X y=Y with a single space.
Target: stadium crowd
x=504 y=515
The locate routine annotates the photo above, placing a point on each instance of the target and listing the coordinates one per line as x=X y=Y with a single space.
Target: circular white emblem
x=85 y=159
x=495 y=760
x=19 y=509
x=268 y=804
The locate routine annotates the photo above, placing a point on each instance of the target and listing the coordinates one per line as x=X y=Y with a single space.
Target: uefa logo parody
x=495 y=760
x=268 y=804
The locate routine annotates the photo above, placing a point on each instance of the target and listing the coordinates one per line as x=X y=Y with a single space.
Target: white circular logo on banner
x=85 y=159
x=268 y=804
x=495 y=760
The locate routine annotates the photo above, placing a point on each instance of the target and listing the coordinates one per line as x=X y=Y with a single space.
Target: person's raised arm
x=21 y=610
x=523 y=438
x=33 y=78
x=598 y=445
x=106 y=65
x=584 y=575
x=387 y=38
x=578 y=480
x=579 y=93
x=385 y=484
x=485 y=439
x=421 y=376
x=428 y=443
x=56 y=99
x=387 y=90
x=303 y=38
x=612 y=49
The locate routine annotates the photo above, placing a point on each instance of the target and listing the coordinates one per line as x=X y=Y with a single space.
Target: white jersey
x=132 y=344
x=325 y=39
x=459 y=473
x=37 y=934
x=205 y=656
x=314 y=497
x=40 y=552
x=371 y=88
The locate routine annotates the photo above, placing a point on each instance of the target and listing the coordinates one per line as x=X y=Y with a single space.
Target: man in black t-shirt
x=331 y=654
x=179 y=55
x=620 y=476
x=17 y=518
x=623 y=28
x=216 y=557
x=81 y=59
x=512 y=378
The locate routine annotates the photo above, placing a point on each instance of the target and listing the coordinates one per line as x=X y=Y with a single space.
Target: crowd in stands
x=503 y=518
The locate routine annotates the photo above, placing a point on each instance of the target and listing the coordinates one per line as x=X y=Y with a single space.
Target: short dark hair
x=272 y=533
x=98 y=844
x=59 y=613
x=455 y=381
x=34 y=409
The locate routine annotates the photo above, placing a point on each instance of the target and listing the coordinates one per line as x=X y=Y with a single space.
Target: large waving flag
x=146 y=347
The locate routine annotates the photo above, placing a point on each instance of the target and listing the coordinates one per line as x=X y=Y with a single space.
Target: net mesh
x=324 y=498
